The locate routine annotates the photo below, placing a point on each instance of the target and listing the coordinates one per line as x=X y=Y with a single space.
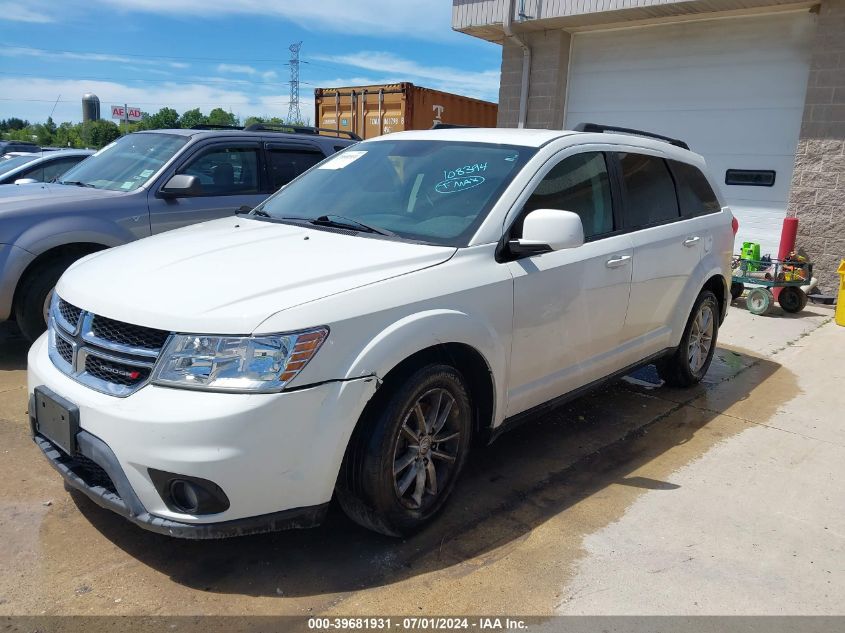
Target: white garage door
x=733 y=89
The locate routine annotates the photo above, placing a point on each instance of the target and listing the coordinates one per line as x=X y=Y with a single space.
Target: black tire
x=792 y=299
x=736 y=290
x=368 y=489
x=677 y=369
x=804 y=299
x=33 y=291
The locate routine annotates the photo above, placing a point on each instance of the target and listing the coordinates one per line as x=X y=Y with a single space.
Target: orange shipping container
x=370 y=111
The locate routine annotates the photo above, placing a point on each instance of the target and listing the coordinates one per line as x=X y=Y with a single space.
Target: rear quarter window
x=695 y=195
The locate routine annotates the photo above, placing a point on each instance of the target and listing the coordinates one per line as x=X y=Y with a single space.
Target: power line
x=159 y=80
x=211 y=103
x=228 y=60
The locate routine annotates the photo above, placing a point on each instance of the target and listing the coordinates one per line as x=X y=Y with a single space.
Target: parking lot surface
x=723 y=499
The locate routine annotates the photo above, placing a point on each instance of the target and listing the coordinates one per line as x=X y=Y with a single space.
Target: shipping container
x=370 y=111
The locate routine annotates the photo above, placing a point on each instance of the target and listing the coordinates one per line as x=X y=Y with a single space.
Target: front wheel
x=759 y=300
x=689 y=362
x=33 y=301
x=407 y=452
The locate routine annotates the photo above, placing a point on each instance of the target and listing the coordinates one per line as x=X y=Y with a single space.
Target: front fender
x=416 y=332
x=73 y=229
x=13 y=261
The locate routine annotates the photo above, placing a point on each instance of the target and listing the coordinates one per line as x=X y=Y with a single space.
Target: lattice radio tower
x=294 y=115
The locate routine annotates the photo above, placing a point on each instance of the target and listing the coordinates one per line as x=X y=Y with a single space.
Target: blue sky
x=231 y=53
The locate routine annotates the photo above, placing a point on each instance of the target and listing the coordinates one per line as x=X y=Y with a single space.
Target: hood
x=227 y=276
x=36 y=195
x=24 y=206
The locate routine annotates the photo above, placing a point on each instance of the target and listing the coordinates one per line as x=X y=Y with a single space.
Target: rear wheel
x=33 y=299
x=792 y=299
x=406 y=454
x=687 y=365
x=737 y=289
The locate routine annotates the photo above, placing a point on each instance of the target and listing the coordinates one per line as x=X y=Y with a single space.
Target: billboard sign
x=126 y=113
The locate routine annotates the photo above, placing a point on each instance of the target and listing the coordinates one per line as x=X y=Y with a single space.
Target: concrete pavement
x=722 y=499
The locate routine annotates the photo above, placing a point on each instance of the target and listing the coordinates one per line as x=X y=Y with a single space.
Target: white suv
x=357 y=332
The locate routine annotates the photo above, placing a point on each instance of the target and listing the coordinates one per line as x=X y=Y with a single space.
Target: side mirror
x=25 y=181
x=182 y=186
x=243 y=209
x=547 y=230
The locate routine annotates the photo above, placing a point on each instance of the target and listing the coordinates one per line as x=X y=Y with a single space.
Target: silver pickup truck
x=142 y=184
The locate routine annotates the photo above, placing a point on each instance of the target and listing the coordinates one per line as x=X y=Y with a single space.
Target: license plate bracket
x=56 y=419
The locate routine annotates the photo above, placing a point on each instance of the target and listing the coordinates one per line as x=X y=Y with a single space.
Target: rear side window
x=56 y=168
x=579 y=184
x=695 y=194
x=649 y=190
x=287 y=164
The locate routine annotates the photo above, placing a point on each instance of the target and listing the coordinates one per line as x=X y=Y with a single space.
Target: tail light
x=735 y=225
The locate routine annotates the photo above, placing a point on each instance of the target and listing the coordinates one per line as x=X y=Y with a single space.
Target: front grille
x=64 y=349
x=117 y=373
x=69 y=312
x=110 y=356
x=128 y=334
x=91 y=473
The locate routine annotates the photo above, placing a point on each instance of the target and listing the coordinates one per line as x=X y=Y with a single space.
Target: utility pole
x=294 y=115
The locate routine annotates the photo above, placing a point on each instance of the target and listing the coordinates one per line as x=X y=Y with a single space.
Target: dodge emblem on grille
x=125 y=373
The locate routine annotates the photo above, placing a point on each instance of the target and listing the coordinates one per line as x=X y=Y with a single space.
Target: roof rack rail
x=299 y=129
x=597 y=127
x=213 y=126
x=449 y=126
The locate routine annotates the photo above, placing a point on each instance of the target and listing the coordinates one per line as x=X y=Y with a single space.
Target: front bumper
x=276 y=456
x=103 y=481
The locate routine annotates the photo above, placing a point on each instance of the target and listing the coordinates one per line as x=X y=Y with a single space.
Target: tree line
x=97 y=134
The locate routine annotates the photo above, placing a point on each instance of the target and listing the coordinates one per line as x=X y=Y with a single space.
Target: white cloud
x=151 y=71
x=245 y=69
x=478 y=84
x=34 y=98
x=15 y=12
x=236 y=68
x=424 y=19
x=22 y=51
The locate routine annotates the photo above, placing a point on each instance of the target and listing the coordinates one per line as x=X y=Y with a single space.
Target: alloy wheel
x=700 y=338
x=426 y=448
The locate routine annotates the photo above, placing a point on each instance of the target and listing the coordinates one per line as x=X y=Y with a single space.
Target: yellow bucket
x=840 y=300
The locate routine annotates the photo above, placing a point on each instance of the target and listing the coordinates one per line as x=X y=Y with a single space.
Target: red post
x=787 y=244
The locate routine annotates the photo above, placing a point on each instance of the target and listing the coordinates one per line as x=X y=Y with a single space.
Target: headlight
x=236 y=363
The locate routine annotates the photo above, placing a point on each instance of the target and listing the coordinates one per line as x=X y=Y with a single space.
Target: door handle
x=692 y=241
x=616 y=262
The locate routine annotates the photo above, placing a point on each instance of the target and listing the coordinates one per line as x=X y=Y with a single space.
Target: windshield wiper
x=343 y=222
x=78 y=183
x=260 y=213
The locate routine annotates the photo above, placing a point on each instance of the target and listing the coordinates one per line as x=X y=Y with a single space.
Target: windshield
x=431 y=191
x=13 y=162
x=127 y=163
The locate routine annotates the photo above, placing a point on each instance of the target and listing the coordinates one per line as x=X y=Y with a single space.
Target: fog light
x=189 y=495
x=184 y=495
